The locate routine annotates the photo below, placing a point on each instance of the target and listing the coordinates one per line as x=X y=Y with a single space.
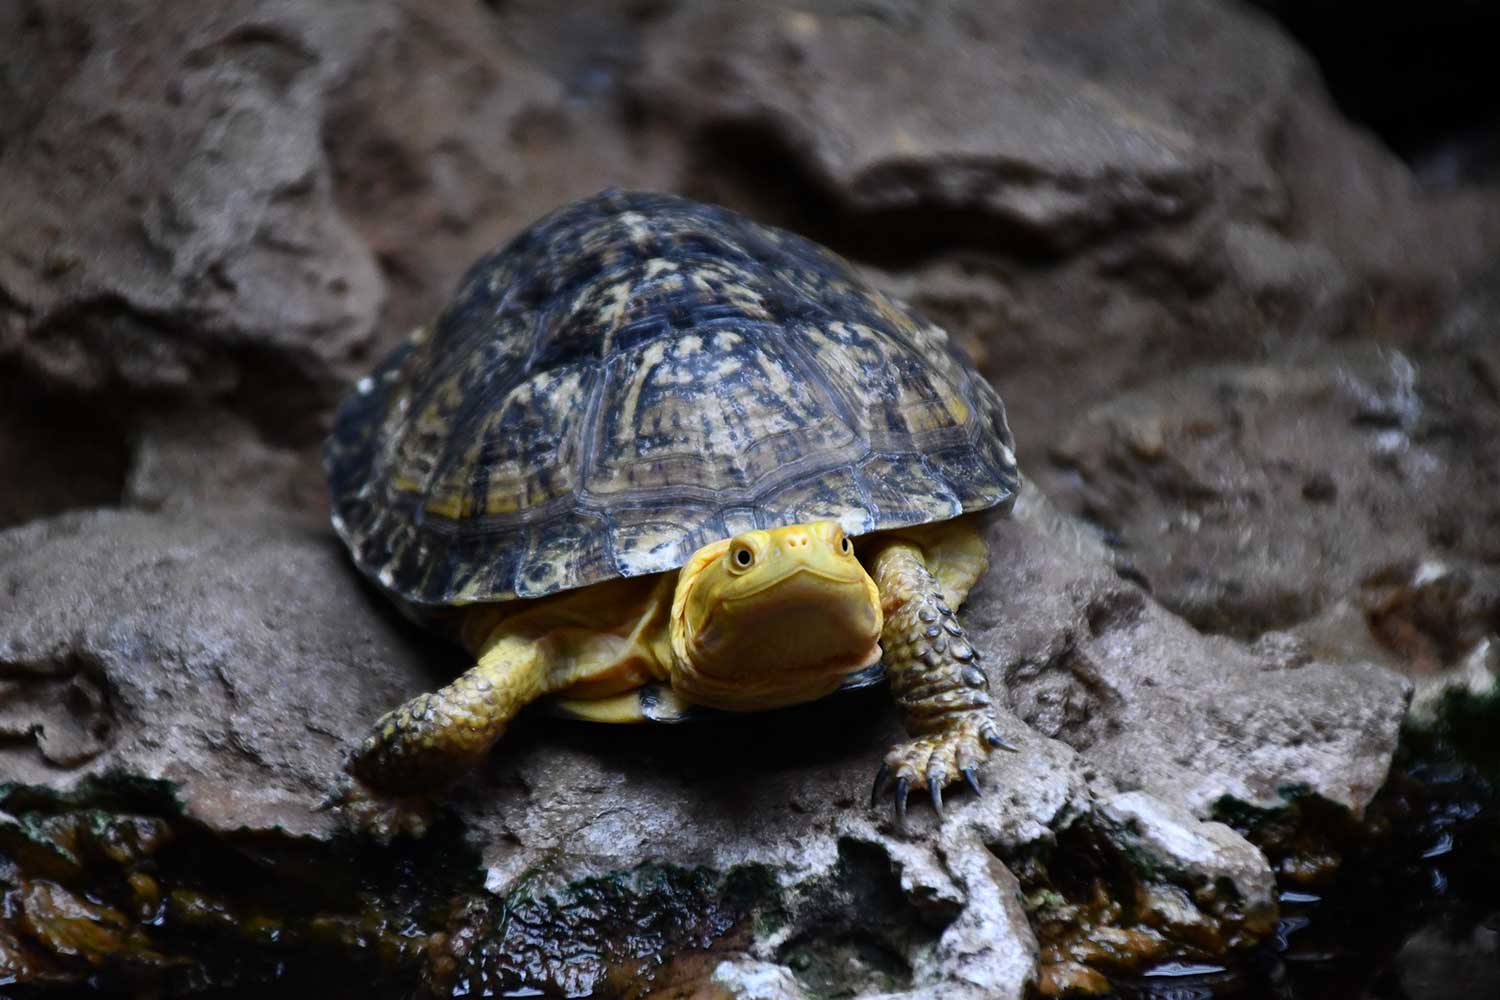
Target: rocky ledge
x=205 y=676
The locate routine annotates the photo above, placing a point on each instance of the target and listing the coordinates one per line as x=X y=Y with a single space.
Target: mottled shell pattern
x=637 y=375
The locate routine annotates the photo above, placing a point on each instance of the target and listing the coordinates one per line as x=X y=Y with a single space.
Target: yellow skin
x=761 y=620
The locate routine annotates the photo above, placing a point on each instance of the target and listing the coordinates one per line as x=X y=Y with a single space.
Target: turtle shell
x=637 y=375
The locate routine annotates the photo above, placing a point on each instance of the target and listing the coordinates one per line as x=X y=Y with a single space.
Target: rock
x=1412 y=246
x=203 y=459
x=1253 y=498
x=1432 y=962
x=1080 y=211
x=1172 y=840
x=746 y=979
x=1160 y=707
x=230 y=655
x=1051 y=155
x=236 y=656
x=1338 y=503
x=1077 y=209
x=209 y=226
x=516 y=110
x=170 y=223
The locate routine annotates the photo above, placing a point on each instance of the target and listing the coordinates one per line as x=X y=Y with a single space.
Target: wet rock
x=238 y=658
x=750 y=980
x=1172 y=840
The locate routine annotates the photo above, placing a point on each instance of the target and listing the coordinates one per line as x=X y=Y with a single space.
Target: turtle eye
x=742 y=557
x=845 y=546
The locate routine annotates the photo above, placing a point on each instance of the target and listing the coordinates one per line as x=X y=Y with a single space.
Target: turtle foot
x=364 y=811
x=937 y=760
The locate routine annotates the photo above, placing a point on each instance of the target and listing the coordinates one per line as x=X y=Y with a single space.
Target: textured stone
x=169 y=218
x=202 y=459
x=1172 y=840
x=1157 y=706
x=1347 y=496
x=238 y=656
x=746 y=979
x=517 y=110
x=230 y=655
x=855 y=100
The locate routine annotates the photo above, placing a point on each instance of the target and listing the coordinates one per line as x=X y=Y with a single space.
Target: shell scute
x=637 y=375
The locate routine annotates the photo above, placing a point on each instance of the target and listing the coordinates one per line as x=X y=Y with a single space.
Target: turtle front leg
x=435 y=737
x=939 y=686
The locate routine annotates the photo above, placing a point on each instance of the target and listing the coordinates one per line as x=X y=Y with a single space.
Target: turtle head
x=770 y=618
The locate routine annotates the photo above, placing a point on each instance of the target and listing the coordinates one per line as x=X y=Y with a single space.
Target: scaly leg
x=935 y=679
x=435 y=737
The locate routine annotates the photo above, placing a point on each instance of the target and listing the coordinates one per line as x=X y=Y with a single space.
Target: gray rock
x=169 y=220
x=205 y=458
x=236 y=656
x=855 y=99
x=1191 y=852
x=1157 y=706
x=1340 y=503
x=516 y=109
x=230 y=655
x=195 y=243
x=746 y=979
x=960 y=146
x=1081 y=211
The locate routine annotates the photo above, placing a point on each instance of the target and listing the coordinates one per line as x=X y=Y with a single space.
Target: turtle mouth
x=836 y=579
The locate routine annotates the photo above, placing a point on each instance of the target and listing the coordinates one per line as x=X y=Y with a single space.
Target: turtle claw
x=882 y=778
x=993 y=738
x=937 y=761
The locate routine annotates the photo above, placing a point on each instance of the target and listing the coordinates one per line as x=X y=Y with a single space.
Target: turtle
x=656 y=459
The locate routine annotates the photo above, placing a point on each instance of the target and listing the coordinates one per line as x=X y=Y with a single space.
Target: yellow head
x=771 y=618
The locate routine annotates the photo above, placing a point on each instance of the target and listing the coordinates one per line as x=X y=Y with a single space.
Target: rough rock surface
x=1321 y=474
x=169 y=217
x=235 y=212
x=237 y=657
x=221 y=654
x=1158 y=706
